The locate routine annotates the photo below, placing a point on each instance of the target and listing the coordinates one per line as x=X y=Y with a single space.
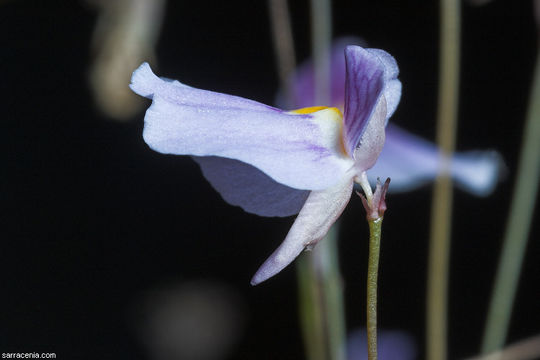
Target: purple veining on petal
x=303 y=78
x=246 y=186
x=364 y=86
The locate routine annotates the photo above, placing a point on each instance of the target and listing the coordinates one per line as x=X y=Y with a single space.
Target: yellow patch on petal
x=322 y=114
x=312 y=109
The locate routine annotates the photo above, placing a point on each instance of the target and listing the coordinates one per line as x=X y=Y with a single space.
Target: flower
x=407 y=159
x=314 y=149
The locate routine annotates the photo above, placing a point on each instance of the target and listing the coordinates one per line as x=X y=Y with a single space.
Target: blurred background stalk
x=517 y=227
x=282 y=38
x=321 y=300
x=321 y=38
x=441 y=213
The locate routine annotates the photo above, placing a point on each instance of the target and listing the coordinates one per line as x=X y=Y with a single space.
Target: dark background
x=92 y=218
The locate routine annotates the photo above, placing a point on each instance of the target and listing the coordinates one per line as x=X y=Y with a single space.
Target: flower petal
x=477 y=171
x=246 y=186
x=372 y=141
x=302 y=151
x=304 y=81
x=320 y=211
x=364 y=86
x=411 y=161
x=145 y=83
x=392 y=86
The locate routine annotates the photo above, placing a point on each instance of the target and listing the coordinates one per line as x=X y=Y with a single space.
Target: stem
x=518 y=226
x=439 y=254
x=375 y=205
x=373 y=270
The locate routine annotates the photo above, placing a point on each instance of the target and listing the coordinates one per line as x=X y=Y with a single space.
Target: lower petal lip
x=321 y=210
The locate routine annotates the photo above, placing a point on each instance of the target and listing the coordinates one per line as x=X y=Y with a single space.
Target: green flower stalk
x=375 y=206
x=518 y=226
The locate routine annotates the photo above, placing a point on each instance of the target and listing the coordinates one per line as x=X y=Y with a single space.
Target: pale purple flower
x=407 y=159
x=391 y=345
x=274 y=162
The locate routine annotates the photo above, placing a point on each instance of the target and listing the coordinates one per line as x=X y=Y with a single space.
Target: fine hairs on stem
x=372 y=279
x=375 y=206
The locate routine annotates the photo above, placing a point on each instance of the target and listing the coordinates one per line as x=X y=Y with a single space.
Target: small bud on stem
x=374 y=203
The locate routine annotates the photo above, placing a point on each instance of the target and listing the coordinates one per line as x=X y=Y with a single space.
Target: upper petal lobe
x=370 y=78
